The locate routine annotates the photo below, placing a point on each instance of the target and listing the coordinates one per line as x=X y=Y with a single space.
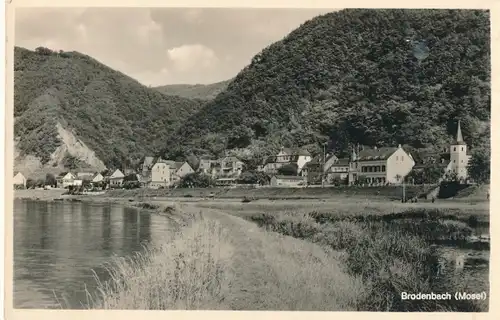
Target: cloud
x=189 y=57
x=190 y=43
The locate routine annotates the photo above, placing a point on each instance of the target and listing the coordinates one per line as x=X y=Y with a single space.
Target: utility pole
x=404 y=191
x=323 y=166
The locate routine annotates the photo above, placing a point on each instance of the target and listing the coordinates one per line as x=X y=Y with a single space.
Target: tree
x=193 y=161
x=479 y=165
x=130 y=177
x=50 y=180
x=30 y=183
x=428 y=175
x=239 y=137
x=288 y=170
x=451 y=176
x=196 y=180
x=86 y=183
x=132 y=184
x=254 y=177
x=40 y=183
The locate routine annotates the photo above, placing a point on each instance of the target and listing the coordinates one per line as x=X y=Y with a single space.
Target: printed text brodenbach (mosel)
x=444 y=296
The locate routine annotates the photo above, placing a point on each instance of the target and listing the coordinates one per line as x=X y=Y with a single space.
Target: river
x=58 y=244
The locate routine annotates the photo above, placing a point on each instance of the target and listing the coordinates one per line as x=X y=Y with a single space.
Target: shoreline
x=169 y=209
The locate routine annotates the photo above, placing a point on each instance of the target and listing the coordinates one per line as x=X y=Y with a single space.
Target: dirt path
x=273 y=272
x=252 y=274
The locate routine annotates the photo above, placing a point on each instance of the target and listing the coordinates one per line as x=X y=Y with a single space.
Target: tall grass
x=391 y=256
x=188 y=273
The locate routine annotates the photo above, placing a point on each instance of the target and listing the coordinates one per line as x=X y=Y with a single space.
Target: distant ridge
x=194 y=91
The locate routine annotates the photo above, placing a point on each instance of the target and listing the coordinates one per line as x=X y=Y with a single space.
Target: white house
x=381 y=165
x=160 y=175
x=183 y=170
x=228 y=167
x=66 y=180
x=297 y=156
x=285 y=156
x=206 y=166
x=19 y=180
x=116 y=179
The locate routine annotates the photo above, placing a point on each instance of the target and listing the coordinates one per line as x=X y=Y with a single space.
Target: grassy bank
x=391 y=254
x=220 y=263
x=188 y=273
x=385 y=192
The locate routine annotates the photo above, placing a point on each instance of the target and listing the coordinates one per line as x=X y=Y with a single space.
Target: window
x=454 y=148
x=402 y=158
x=453 y=161
x=397 y=158
x=383 y=168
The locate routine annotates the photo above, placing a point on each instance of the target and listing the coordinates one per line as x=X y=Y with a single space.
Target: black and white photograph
x=254 y=159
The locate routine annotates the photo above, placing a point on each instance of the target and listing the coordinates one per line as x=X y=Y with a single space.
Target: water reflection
x=58 y=244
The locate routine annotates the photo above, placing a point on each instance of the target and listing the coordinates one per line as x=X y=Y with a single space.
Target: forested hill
x=113 y=114
x=374 y=77
x=194 y=91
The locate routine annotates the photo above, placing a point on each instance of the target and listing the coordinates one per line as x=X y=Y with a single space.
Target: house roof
x=96 y=174
x=176 y=165
x=344 y=162
x=376 y=154
x=289 y=177
x=63 y=174
x=117 y=174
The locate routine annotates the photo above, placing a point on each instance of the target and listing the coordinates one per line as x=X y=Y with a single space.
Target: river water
x=58 y=244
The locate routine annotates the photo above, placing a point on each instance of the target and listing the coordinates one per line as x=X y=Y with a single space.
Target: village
x=290 y=167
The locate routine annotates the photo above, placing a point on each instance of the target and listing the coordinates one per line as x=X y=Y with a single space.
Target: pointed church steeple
x=459 y=133
x=459 y=139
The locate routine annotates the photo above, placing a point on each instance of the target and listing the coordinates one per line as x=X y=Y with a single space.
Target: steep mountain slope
x=194 y=91
x=374 y=77
x=68 y=103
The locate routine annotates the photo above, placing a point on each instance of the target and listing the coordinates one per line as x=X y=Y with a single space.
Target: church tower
x=458 y=155
x=353 y=167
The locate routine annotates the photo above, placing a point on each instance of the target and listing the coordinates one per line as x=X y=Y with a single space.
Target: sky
x=159 y=46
